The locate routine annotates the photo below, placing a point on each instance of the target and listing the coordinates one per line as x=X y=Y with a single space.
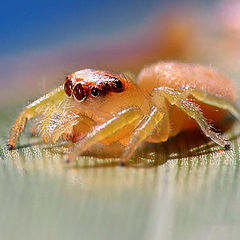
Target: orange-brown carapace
x=98 y=106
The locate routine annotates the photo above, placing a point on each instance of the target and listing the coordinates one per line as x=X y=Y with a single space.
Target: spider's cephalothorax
x=98 y=106
x=90 y=82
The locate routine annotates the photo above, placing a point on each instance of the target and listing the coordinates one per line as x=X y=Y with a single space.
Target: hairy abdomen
x=179 y=76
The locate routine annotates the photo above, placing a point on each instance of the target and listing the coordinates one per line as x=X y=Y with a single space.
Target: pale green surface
x=194 y=197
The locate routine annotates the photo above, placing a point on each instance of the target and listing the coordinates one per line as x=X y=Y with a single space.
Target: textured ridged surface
x=187 y=189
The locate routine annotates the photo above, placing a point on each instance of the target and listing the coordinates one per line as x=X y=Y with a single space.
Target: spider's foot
x=122 y=164
x=67 y=161
x=10 y=146
x=227 y=146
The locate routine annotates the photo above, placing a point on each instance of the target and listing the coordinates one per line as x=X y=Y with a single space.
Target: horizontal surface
x=187 y=188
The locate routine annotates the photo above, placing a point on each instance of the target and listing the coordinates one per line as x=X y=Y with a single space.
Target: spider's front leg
x=33 y=110
x=105 y=130
x=144 y=129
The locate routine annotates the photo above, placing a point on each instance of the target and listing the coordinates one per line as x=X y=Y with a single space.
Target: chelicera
x=98 y=106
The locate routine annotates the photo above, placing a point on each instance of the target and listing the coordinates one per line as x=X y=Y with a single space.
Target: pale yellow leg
x=105 y=130
x=145 y=128
x=33 y=110
x=215 y=101
x=178 y=98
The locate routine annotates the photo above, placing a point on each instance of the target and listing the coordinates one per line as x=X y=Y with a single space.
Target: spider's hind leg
x=214 y=100
x=179 y=98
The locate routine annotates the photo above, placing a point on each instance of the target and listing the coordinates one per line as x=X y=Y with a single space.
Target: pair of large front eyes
x=77 y=90
x=79 y=93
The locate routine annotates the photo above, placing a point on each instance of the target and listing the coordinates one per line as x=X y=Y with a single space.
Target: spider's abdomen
x=180 y=75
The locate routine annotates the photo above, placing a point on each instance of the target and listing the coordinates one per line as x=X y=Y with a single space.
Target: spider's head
x=100 y=94
x=90 y=83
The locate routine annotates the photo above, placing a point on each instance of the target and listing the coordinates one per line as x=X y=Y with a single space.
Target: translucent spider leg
x=100 y=132
x=33 y=110
x=145 y=128
x=214 y=101
x=191 y=109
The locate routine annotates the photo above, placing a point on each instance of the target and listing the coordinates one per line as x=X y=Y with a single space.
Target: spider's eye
x=118 y=84
x=78 y=92
x=68 y=87
x=94 y=91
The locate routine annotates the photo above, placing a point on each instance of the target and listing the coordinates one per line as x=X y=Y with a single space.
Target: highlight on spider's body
x=95 y=106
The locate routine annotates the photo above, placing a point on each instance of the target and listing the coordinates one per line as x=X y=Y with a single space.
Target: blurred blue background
x=30 y=24
x=42 y=41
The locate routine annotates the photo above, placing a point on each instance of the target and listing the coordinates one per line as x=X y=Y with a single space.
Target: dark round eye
x=68 y=87
x=118 y=84
x=78 y=92
x=94 y=91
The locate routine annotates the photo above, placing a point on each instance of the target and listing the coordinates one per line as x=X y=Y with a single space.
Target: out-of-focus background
x=187 y=188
